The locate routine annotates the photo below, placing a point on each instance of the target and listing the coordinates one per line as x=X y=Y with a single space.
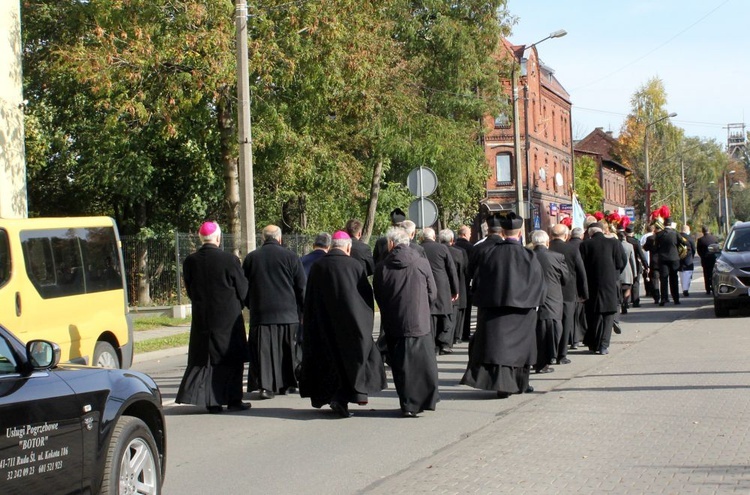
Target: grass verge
x=151 y=322
x=161 y=343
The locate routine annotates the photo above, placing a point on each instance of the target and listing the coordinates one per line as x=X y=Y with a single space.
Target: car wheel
x=132 y=464
x=105 y=356
x=720 y=309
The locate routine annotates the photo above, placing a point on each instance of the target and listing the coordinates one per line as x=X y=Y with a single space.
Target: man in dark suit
x=575 y=289
x=708 y=260
x=446 y=280
x=579 y=330
x=321 y=245
x=275 y=297
x=360 y=251
x=461 y=261
x=216 y=352
x=604 y=259
x=666 y=241
x=549 y=317
x=463 y=241
x=641 y=264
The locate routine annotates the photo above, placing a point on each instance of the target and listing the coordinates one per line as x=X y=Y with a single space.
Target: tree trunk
x=372 y=205
x=230 y=165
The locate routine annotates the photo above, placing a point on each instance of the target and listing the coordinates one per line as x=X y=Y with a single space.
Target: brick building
x=545 y=148
x=612 y=175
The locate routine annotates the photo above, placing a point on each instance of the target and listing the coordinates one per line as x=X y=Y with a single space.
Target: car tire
x=105 y=356
x=721 y=310
x=132 y=464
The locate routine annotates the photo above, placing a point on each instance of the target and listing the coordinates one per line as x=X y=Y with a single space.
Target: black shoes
x=563 y=361
x=616 y=328
x=215 y=409
x=409 y=414
x=238 y=406
x=445 y=350
x=265 y=394
x=677 y=302
x=546 y=369
x=529 y=389
x=662 y=303
x=503 y=395
x=686 y=293
x=288 y=390
x=341 y=409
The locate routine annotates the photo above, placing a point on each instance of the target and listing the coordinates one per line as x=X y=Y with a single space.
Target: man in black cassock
x=275 y=296
x=381 y=245
x=604 y=259
x=508 y=287
x=360 y=251
x=218 y=345
x=549 y=329
x=579 y=328
x=340 y=362
x=708 y=259
x=461 y=260
x=463 y=242
x=404 y=285
x=446 y=281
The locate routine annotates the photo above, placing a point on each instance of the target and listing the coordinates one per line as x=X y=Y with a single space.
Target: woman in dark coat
x=404 y=287
x=218 y=344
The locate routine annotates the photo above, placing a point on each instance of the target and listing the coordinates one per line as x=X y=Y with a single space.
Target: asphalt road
x=472 y=440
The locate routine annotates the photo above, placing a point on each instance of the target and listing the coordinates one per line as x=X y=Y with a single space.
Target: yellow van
x=62 y=279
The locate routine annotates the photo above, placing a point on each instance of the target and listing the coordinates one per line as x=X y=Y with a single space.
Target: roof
x=600 y=143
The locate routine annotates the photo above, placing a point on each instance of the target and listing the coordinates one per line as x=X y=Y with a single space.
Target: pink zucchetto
x=208 y=228
x=340 y=234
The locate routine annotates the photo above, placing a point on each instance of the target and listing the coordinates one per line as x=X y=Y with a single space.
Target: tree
x=649 y=114
x=589 y=192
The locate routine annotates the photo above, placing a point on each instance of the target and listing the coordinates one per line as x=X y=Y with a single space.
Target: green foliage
x=132 y=107
x=589 y=192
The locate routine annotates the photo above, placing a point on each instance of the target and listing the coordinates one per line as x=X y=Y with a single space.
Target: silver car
x=731 y=276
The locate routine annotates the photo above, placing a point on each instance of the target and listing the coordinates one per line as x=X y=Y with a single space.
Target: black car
x=74 y=429
x=731 y=276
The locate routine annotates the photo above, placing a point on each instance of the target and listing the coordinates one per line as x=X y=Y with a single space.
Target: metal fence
x=153 y=266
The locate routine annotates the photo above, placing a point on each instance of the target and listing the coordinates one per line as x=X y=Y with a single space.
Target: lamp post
x=726 y=202
x=517 y=131
x=648 y=190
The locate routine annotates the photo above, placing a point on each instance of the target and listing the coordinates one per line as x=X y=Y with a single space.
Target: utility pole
x=244 y=131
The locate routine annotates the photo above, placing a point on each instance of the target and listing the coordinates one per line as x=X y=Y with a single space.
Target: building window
x=503 y=169
x=502 y=121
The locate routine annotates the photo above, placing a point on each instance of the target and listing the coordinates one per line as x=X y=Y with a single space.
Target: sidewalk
x=666 y=412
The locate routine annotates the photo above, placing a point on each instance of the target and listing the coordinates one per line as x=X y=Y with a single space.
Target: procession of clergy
x=311 y=318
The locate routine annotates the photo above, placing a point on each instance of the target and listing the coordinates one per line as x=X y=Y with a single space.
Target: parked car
x=731 y=276
x=76 y=429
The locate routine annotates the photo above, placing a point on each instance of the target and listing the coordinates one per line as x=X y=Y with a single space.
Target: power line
x=590 y=83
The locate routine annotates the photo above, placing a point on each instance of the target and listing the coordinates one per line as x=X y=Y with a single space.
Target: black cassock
x=508 y=287
x=339 y=358
x=218 y=343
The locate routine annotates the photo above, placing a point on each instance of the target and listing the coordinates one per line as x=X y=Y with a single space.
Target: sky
x=699 y=49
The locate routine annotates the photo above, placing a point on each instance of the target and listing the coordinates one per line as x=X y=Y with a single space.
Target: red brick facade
x=611 y=174
x=545 y=134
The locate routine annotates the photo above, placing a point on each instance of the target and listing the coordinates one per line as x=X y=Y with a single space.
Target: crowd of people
x=311 y=318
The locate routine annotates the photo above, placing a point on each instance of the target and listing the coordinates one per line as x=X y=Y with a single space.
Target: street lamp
x=726 y=202
x=517 y=131
x=648 y=190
